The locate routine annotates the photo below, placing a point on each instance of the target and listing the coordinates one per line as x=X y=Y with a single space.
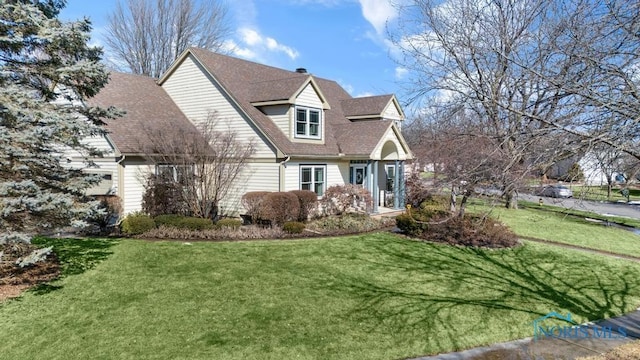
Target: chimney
x=301 y=70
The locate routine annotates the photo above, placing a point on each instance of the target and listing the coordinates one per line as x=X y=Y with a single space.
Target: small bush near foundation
x=349 y=198
x=183 y=222
x=280 y=207
x=252 y=202
x=137 y=223
x=229 y=223
x=293 y=227
x=223 y=233
x=308 y=203
x=346 y=224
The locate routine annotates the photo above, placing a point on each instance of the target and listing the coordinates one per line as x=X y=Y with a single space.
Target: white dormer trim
x=292 y=100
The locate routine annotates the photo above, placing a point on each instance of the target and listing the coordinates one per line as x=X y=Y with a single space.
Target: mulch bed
x=14 y=280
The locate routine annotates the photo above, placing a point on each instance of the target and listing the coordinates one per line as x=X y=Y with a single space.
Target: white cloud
x=254 y=45
x=401 y=72
x=378 y=12
x=365 y=94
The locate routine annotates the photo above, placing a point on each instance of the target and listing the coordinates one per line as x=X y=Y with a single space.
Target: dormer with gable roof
x=382 y=107
x=295 y=104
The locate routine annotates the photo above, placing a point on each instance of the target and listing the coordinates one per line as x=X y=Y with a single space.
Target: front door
x=358 y=175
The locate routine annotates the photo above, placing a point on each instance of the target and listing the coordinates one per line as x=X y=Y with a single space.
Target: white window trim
x=313 y=175
x=308 y=123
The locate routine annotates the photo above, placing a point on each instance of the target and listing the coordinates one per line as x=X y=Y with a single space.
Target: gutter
x=283 y=165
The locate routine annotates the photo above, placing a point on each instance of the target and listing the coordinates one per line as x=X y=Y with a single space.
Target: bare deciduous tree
x=146 y=36
x=206 y=164
x=466 y=54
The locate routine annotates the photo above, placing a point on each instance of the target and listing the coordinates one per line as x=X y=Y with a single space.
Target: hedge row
x=138 y=223
x=278 y=208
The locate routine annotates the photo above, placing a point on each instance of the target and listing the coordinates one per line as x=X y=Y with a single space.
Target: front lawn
x=546 y=224
x=376 y=296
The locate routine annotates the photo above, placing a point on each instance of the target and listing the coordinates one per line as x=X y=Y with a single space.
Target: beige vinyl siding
x=337 y=173
x=134 y=173
x=391 y=112
x=255 y=177
x=106 y=165
x=280 y=115
x=197 y=95
x=390 y=135
x=309 y=97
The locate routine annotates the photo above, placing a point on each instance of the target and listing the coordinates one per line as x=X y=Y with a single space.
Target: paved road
x=603 y=208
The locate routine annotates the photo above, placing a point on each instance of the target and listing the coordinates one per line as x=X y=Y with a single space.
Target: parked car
x=556 y=191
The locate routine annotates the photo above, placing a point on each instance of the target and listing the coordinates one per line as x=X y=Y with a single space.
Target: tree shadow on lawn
x=438 y=292
x=75 y=256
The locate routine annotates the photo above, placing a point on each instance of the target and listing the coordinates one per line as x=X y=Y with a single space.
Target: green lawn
x=550 y=224
x=599 y=193
x=376 y=296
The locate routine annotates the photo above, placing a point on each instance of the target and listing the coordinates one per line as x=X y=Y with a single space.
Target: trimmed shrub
x=183 y=222
x=252 y=202
x=137 y=223
x=409 y=226
x=293 y=227
x=339 y=199
x=280 y=207
x=347 y=224
x=224 y=233
x=308 y=202
x=229 y=223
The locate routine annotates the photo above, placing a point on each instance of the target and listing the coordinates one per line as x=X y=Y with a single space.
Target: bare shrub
x=162 y=196
x=339 y=199
x=222 y=233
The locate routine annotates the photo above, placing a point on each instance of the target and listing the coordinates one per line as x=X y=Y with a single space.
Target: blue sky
x=342 y=40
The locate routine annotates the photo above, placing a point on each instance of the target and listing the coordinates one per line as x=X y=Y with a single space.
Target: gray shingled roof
x=149 y=106
x=149 y=111
x=236 y=75
x=365 y=106
x=274 y=90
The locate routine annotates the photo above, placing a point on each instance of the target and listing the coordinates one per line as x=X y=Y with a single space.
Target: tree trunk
x=452 y=201
x=511 y=198
x=463 y=204
x=609 y=186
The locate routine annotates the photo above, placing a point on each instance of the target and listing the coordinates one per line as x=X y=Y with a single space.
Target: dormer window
x=308 y=122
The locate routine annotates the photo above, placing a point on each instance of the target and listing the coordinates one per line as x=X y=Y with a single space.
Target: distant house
x=310 y=133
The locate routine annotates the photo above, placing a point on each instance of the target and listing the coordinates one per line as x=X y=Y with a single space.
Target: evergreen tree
x=46 y=71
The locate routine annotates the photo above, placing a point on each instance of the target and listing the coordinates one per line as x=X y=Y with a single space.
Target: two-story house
x=309 y=132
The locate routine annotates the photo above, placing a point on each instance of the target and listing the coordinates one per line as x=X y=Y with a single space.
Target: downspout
x=119 y=169
x=283 y=165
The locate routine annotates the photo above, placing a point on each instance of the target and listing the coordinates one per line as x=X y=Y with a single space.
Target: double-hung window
x=181 y=174
x=312 y=177
x=308 y=122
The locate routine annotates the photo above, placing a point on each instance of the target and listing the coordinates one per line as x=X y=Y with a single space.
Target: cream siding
x=309 y=97
x=390 y=136
x=255 y=177
x=391 y=112
x=106 y=165
x=134 y=173
x=280 y=115
x=198 y=96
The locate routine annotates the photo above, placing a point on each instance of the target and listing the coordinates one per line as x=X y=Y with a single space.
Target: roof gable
x=283 y=91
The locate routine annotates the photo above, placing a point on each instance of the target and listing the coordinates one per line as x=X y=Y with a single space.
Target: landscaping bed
x=14 y=279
